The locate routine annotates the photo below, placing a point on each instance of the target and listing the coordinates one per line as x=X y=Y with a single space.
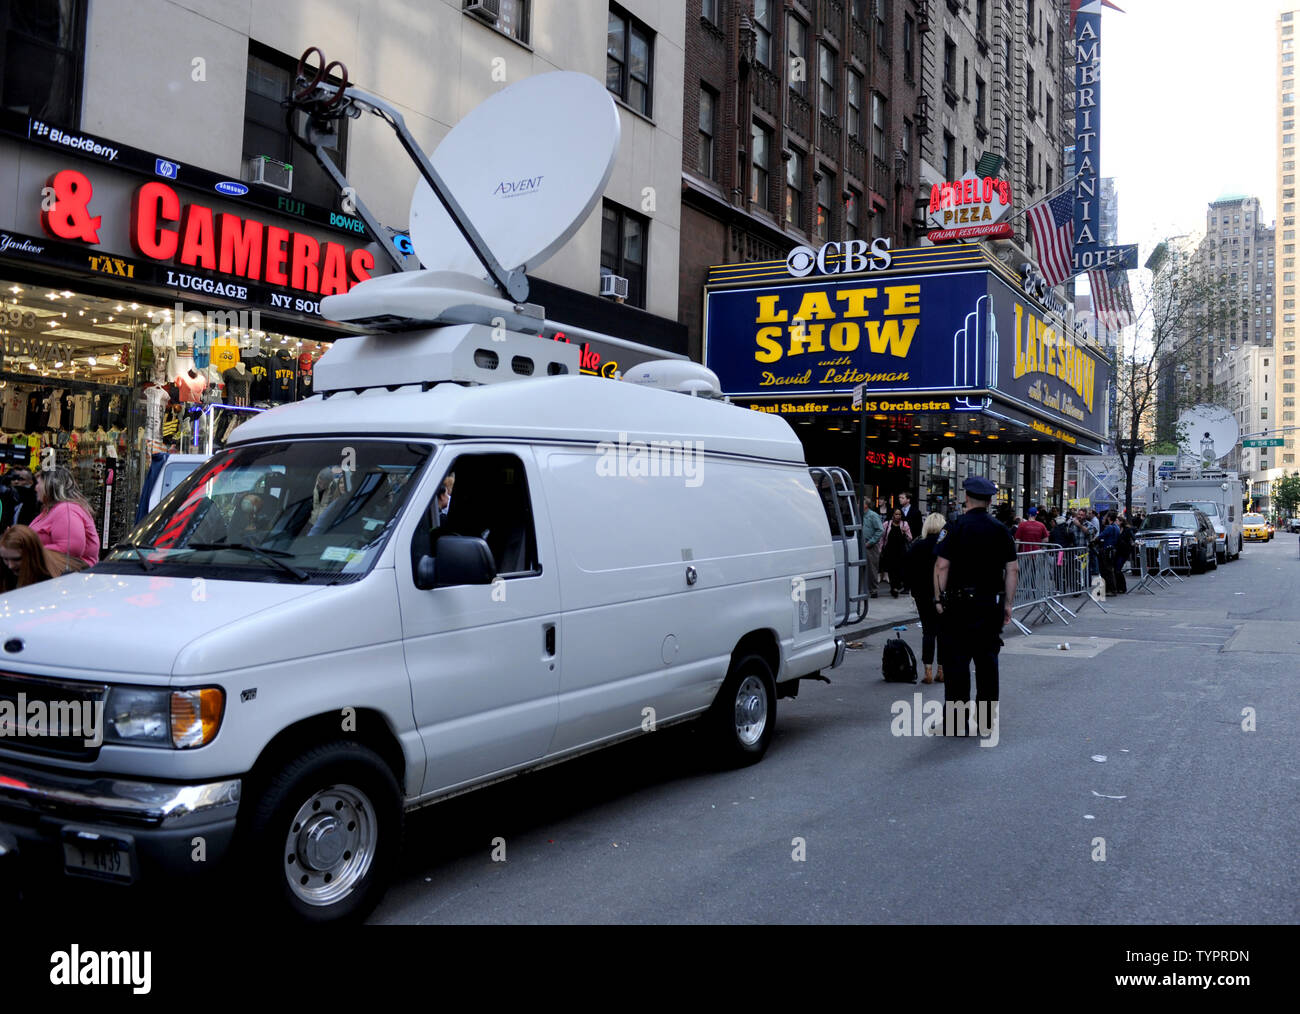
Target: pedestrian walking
x=872 y=529
x=1031 y=530
x=893 y=551
x=1123 y=551
x=1109 y=541
x=920 y=579
x=976 y=573
x=911 y=514
x=65 y=524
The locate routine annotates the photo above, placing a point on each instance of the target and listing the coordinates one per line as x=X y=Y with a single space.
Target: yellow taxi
x=1254 y=528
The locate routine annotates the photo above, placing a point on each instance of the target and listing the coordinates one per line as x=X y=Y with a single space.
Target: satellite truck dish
x=527 y=166
x=1209 y=433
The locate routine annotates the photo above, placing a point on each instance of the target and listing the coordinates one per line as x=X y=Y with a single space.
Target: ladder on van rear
x=836 y=489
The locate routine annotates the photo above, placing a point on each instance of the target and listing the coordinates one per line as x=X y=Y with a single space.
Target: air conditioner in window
x=488 y=10
x=269 y=172
x=613 y=285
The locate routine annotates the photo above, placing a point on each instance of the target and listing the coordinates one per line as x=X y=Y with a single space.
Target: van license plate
x=91 y=854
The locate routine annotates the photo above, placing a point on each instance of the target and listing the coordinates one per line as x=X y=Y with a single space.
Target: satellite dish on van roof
x=527 y=166
x=1209 y=432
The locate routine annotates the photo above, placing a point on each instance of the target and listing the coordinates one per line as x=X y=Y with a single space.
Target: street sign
x=1263 y=442
x=858 y=392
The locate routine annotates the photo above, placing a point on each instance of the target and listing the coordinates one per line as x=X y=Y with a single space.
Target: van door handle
x=549 y=632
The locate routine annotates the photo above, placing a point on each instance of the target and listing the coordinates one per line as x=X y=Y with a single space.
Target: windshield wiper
x=141 y=558
x=269 y=555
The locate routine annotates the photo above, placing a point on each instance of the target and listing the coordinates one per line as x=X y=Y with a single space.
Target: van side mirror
x=458 y=559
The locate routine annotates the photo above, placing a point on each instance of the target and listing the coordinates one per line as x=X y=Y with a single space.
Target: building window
x=965 y=78
x=796 y=34
x=708 y=127
x=763 y=31
x=855 y=105
x=623 y=248
x=950 y=63
x=879 y=147
x=825 y=192
x=270 y=75
x=980 y=98
x=882 y=30
x=1029 y=89
x=794 y=190
x=826 y=69
x=42 y=52
x=1050 y=38
x=1051 y=109
x=947 y=156
x=982 y=16
x=909 y=47
x=629 y=59
x=1029 y=164
x=709 y=10
x=512 y=19
x=852 y=229
x=1049 y=179
x=760 y=166
x=907 y=147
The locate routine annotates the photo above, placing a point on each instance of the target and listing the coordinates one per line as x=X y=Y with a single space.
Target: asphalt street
x=1146 y=773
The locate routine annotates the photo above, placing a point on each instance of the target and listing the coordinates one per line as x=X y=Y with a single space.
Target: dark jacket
x=920 y=568
x=18 y=506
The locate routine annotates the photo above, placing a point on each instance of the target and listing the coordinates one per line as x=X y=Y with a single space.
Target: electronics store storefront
x=140 y=314
x=956 y=361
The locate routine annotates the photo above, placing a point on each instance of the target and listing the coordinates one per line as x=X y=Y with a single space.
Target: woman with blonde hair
x=25 y=560
x=920 y=579
x=65 y=524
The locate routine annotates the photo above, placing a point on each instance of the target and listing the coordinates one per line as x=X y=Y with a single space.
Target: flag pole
x=1050 y=194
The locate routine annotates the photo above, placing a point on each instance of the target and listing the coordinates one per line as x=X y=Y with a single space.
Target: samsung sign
x=847 y=258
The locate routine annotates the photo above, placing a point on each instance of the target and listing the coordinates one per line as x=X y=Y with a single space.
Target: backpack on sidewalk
x=898 y=663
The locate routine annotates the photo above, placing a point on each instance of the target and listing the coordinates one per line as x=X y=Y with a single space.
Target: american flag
x=1111 y=299
x=1052 y=222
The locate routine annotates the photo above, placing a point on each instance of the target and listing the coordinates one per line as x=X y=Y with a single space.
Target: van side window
x=488 y=499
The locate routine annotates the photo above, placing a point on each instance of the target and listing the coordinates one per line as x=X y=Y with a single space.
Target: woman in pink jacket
x=65 y=524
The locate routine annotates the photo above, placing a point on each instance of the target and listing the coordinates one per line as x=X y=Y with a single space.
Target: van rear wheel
x=743 y=715
x=326 y=833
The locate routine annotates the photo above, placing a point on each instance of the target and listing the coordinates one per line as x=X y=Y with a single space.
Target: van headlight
x=165 y=718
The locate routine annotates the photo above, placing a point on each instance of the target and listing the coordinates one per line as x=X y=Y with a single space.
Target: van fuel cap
x=691 y=575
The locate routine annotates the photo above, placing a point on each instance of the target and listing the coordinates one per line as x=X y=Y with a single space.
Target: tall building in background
x=1284 y=334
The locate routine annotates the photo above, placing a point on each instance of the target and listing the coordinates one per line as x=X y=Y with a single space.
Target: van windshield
x=307 y=511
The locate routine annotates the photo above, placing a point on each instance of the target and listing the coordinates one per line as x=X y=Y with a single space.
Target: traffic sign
x=1263 y=442
x=858 y=392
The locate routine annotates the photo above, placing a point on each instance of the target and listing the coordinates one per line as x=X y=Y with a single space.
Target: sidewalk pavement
x=883 y=613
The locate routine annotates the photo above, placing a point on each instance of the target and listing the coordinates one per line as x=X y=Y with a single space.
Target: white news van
x=305 y=640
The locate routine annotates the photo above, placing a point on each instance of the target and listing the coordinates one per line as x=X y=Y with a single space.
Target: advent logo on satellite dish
x=518 y=188
x=849 y=258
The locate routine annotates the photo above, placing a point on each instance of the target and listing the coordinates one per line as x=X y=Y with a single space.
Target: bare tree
x=1174 y=311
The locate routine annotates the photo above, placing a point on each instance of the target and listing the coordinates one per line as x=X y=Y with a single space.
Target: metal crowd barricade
x=1047 y=576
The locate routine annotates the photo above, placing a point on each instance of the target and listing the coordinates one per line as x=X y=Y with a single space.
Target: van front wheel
x=326 y=832
x=743 y=715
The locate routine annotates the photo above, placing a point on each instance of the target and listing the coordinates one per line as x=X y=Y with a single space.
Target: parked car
x=1224 y=530
x=1293 y=525
x=1254 y=528
x=1188 y=534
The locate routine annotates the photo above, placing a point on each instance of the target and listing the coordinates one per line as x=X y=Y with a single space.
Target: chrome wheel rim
x=330 y=845
x=751 y=710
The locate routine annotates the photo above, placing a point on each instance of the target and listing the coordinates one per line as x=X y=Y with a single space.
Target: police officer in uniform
x=975 y=577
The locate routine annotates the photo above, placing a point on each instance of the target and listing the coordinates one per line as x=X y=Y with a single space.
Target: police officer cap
x=978 y=486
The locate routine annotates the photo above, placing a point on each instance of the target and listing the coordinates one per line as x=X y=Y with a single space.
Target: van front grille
x=51 y=718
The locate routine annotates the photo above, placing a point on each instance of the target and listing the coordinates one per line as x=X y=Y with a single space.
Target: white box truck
x=418 y=582
x=1217 y=493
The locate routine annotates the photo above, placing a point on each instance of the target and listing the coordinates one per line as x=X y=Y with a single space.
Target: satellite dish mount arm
x=323 y=102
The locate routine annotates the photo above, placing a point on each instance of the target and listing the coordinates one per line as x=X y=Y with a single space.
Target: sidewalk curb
x=860 y=632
